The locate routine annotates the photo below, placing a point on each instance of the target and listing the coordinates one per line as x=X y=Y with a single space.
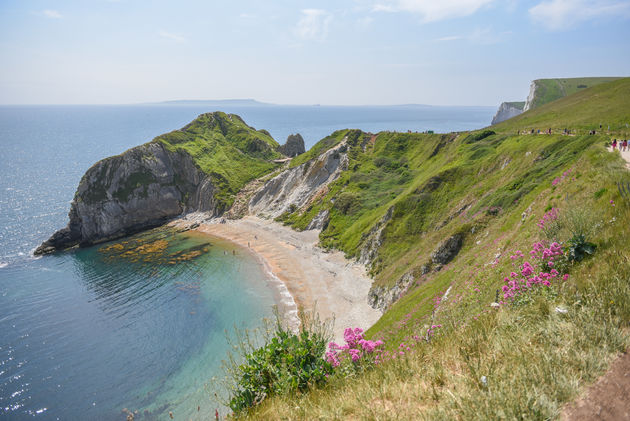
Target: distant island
x=216 y=102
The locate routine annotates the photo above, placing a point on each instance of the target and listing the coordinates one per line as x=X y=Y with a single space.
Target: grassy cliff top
x=226 y=148
x=548 y=90
x=607 y=104
x=516 y=104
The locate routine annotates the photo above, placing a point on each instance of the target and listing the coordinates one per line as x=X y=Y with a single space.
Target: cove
x=137 y=324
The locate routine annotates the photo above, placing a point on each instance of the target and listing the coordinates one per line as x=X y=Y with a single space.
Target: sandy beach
x=337 y=286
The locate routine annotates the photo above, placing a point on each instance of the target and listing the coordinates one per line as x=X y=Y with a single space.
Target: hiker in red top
x=614 y=144
x=624 y=145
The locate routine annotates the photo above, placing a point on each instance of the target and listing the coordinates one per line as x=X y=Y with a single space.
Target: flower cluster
x=431 y=330
x=565 y=174
x=528 y=278
x=356 y=347
x=546 y=255
x=552 y=215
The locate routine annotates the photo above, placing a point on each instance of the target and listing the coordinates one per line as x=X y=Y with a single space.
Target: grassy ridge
x=518 y=362
x=548 y=90
x=225 y=148
x=606 y=104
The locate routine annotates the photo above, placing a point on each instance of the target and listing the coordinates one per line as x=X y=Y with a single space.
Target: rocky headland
x=198 y=168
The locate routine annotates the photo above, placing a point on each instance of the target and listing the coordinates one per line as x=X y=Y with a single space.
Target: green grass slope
x=434 y=181
x=607 y=104
x=226 y=148
x=527 y=358
x=548 y=90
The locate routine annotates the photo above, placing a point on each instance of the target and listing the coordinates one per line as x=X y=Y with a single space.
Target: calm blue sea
x=138 y=324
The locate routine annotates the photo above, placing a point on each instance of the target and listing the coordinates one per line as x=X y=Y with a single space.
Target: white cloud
x=561 y=14
x=313 y=24
x=172 y=36
x=433 y=10
x=52 y=14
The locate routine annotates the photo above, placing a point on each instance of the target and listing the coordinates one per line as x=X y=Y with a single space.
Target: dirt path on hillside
x=607 y=399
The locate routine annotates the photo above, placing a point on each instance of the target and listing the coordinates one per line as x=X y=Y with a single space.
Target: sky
x=339 y=52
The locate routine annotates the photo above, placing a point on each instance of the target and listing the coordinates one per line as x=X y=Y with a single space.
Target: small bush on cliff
x=347 y=202
x=287 y=363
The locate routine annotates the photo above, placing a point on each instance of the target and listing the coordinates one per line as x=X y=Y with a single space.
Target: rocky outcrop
x=138 y=189
x=508 y=110
x=382 y=297
x=293 y=188
x=293 y=147
x=320 y=222
x=374 y=238
x=447 y=250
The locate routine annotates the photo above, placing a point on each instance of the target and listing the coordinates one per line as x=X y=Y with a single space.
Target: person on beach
x=614 y=144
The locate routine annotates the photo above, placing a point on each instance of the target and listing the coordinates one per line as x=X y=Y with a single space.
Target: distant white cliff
x=508 y=110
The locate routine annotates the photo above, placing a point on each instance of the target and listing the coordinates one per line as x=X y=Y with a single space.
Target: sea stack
x=294 y=146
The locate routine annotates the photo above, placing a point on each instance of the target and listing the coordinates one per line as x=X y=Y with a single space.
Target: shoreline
x=305 y=276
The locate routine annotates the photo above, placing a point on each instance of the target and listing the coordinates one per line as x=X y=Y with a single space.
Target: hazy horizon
x=349 y=52
x=253 y=101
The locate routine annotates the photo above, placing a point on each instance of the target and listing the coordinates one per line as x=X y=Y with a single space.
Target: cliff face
x=197 y=168
x=529 y=103
x=141 y=188
x=508 y=110
x=294 y=188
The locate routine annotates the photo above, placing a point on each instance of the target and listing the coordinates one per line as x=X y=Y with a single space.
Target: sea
x=140 y=325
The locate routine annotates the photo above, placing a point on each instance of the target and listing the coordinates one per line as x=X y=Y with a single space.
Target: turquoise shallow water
x=86 y=333
x=89 y=333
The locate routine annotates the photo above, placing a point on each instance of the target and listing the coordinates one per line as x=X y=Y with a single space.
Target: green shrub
x=287 y=363
x=578 y=248
x=346 y=202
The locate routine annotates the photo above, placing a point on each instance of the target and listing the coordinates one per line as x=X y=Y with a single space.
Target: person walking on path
x=614 y=144
x=624 y=145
